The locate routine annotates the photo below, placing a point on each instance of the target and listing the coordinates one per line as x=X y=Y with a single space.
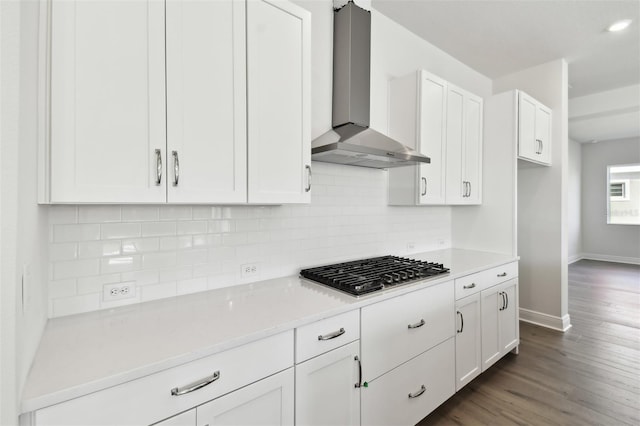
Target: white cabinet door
x=188 y=418
x=417 y=118
x=107 y=102
x=472 y=151
x=206 y=101
x=405 y=395
x=534 y=130
x=267 y=402
x=543 y=133
x=500 y=328
x=326 y=392
x=433 y=98
x=468 y=347
x=526 y=126
x=455 y=187
x=509 y=326
x=464 y=147
x=278 y=92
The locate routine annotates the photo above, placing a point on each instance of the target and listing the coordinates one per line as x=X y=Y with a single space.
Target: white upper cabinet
x=224 y=118
x=464 y=147
x=534 y=130
x=444 y=123
x=417 y=107
x=206 y=102
x=279 y=94
x=107 y=138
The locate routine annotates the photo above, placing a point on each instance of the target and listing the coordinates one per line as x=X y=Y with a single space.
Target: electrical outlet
x=440 y=242
x=411 y=246
x=249 y=270
x=118 y=291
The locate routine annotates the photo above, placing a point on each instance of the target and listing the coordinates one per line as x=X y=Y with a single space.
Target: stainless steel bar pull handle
x=332 y=335
x=176 y=168
x=418 y=393
x=417 y=325
x=467 y=287
x=158 y=167
x=506 y=305
x=424 y=182
x=539 y=149
x=469 y=190
x=461 y=322
x=359 y=384
x=504 y=274
x=308 y=168
x=196 y=385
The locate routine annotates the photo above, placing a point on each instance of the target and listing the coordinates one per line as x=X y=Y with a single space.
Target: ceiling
x=499 y=37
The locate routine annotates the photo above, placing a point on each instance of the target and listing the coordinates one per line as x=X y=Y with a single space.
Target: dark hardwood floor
x=589 y=375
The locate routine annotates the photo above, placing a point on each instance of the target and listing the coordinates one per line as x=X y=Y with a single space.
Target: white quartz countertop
x=84 y=353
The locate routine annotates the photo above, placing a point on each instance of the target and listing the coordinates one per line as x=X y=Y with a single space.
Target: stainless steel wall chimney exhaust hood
x=352 y=141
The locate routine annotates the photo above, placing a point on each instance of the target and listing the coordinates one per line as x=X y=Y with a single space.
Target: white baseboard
x=608 y=258
x=575 y=258
x=545 y=320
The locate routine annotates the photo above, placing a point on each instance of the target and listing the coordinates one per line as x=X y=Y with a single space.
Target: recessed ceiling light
x=619 y=25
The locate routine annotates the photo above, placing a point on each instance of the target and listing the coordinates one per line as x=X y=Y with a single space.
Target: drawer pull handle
x=332 y=335
x=359 y=384
x=467 y=287
x=504 y=274
x=461 y=322
x=196 y=385
x=417 y=325
x=417 y=394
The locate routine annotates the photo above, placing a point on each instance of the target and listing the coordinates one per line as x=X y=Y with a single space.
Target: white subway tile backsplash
x=75 y=268
x=120 y=264
x=95 y=284
x=62 y=288
x=64 y=251
x=98 y=214
x=159 y=260
x=170 y=250
x=158 y=229
x=120 y=230
x=87 y=249
x=140 y=213
x=63 y=214
x=175 y=213
x=73 y=233
x=191 y=227
x=140 y=245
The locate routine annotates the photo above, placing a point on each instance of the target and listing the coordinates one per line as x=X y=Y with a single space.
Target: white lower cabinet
x=267 y=402
x=500 y=331
x=188 y=418
x=468 y=344
x=326 y=391
x=406 y=394
x=161 y=395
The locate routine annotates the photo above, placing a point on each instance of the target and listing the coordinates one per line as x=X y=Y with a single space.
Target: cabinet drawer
x=149 y=399
x=327 y=334
x=471 y=284
x=398 y=329
x=386 y=400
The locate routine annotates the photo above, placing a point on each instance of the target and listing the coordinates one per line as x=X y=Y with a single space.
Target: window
x=623 y=198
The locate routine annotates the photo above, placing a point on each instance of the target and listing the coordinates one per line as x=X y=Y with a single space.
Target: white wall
x=542 y=203
x=24 y=299
x=618 y=243
x=574 y=206
x=167 y=250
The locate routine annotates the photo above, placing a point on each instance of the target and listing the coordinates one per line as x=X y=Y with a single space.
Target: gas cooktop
x=364 y=276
